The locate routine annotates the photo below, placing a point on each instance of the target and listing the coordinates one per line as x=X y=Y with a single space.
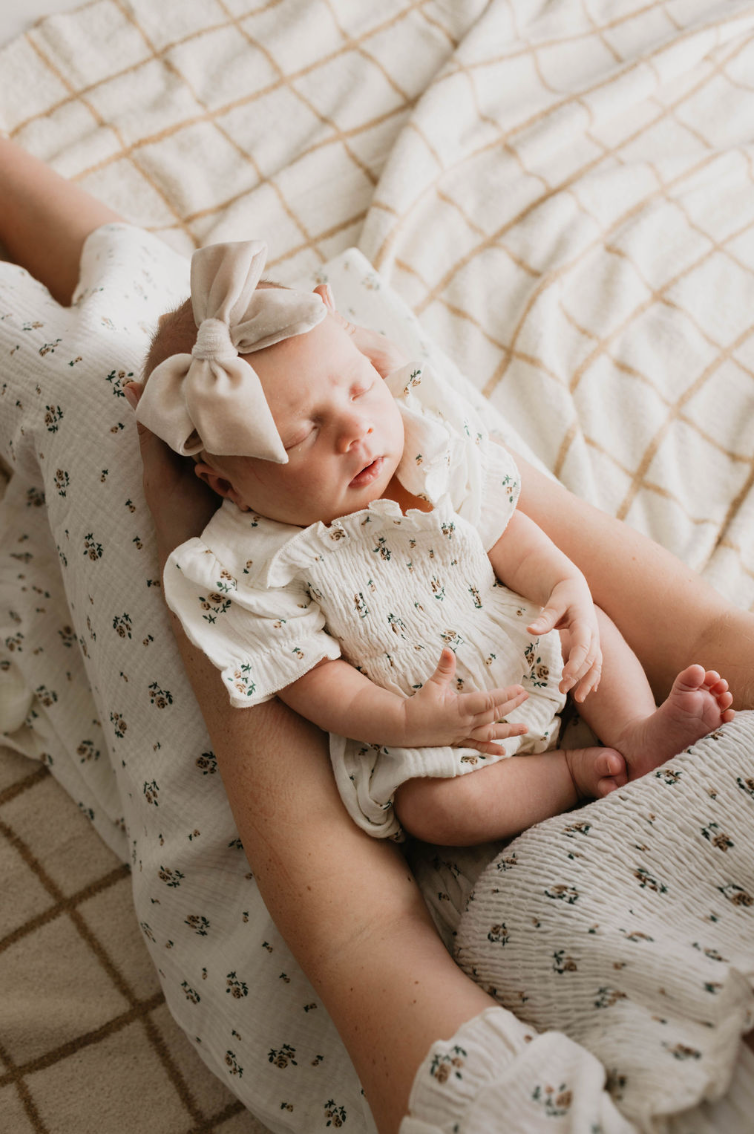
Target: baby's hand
x=570 y=607
x=437 y=715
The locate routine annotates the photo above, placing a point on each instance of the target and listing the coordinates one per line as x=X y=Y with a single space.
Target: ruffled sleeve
x=497 y=1076
x=448 y=450
x=261 y=639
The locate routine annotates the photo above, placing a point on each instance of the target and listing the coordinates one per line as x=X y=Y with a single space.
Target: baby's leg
x=623 y=713
x=500 y=800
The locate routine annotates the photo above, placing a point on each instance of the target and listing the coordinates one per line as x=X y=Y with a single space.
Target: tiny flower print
x=207 y=763
x=448 y=529
x=233 y=1065
x=648 y=882
x=437 y=589
x=61 y=481
x=555 y=1102
x=147 y=931
x=498 y=934
x=335 y=1114
x=452 y=639
x=669 y=775
x=226 y=582
x=150 y=791
x=382 y=549
x=53 y=416
x=117 y=380
x=172 y=878
x=475 y=596
x=563 y=963
x=122 y=625
x=451 y=1062
x=746 y=785
x=507 y=863
x=191 y=995
x=563 y=893
x=681 y=1051
x=717 y=837
x=415 y=379
x=606 y=997
x=46 y=696
x=510 y=484
x=67 y=636
x=397 y=625
x=159 y=697
x=198 y=923
x=471 y=758
x=35 y=498
x=215 y=603
x=282 y=1057
x=360 y=605
x=236 y=987
x=576 y=829
x=91 y=548
x=49 y=348
x=87 y=751
x=635 y=936
x=736 y=894
x=712 y=954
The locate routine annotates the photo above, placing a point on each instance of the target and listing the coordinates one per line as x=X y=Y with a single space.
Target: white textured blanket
x=561 y=193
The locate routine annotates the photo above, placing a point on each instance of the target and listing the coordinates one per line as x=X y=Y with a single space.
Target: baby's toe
x=610 y=763
x=711 y=677
x=724 y=700
x=606 y=785
x=728 y=715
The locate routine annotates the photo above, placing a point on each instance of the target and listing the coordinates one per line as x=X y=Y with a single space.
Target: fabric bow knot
x=212 y=399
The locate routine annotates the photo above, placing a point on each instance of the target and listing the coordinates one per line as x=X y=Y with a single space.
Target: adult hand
x=181 y=505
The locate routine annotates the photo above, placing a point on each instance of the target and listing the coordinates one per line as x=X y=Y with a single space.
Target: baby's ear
x=324 y=291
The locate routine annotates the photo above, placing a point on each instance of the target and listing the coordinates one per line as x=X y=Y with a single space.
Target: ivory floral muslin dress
x=266 y=601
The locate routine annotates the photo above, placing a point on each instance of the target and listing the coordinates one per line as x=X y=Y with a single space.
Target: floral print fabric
x=386 y=591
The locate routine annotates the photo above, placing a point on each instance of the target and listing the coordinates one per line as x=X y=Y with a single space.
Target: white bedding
x=569 y=223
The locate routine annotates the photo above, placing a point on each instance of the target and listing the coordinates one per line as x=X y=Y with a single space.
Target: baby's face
x=338 y=422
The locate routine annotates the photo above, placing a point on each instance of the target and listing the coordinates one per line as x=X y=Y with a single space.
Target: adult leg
x=667 y=614
x=44 y=220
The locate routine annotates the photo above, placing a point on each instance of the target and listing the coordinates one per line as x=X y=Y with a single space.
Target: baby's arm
x=340 y=699
x=526 y=560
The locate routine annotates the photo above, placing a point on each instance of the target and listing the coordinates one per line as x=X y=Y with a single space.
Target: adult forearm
x=346 y=904
x=338 y=698
x=44 y=219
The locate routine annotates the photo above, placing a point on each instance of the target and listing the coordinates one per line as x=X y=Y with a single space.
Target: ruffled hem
x=497 y=1076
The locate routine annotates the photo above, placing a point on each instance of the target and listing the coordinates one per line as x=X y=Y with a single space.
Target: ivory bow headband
x=212 y=399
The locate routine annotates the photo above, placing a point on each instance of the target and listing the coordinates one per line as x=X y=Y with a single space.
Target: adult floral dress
x=267 y=601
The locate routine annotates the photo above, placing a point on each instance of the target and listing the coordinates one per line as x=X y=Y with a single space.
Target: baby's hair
x=177 y=334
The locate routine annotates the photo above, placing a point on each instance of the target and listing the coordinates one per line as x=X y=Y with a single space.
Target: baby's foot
x=595 y=771
x=698 y=703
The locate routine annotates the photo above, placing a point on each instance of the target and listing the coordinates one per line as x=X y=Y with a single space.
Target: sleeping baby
x=370 y=567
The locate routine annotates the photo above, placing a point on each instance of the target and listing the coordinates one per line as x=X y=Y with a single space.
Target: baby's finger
x=481 y=746
x=499 y=731
x=588 y=684
x=482 y=708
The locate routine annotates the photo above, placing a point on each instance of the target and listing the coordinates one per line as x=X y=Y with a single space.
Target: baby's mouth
x=368 y=474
